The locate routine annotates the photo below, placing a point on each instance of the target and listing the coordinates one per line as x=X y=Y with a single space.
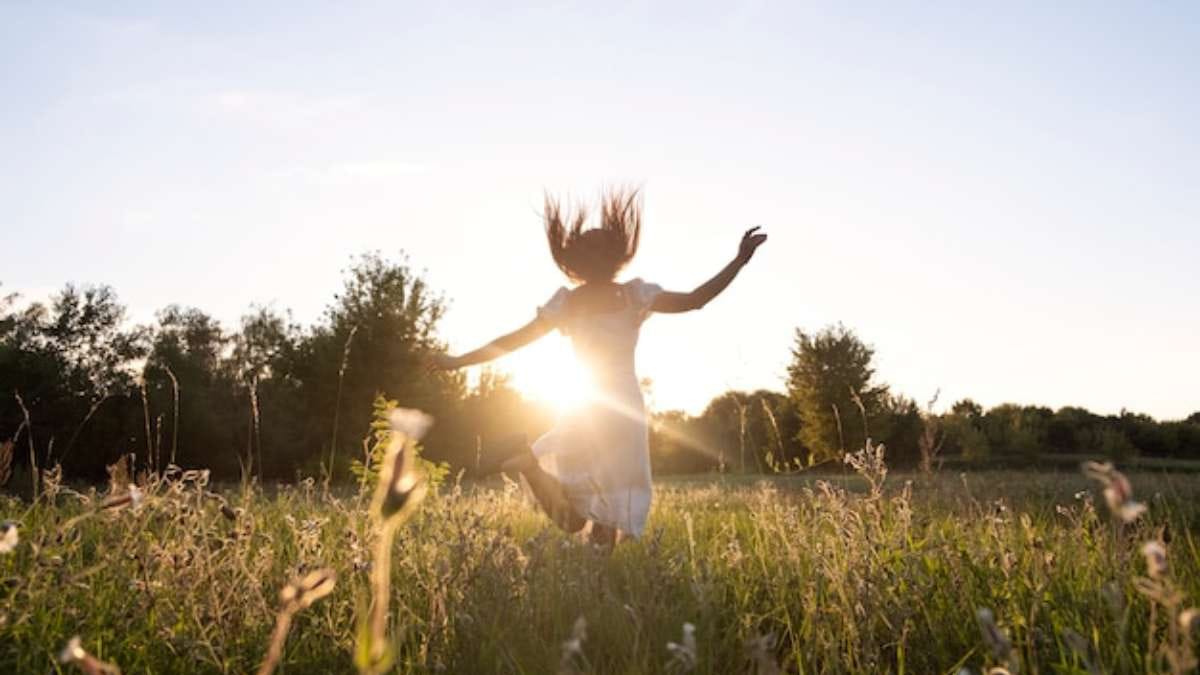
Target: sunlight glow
x=549 y=373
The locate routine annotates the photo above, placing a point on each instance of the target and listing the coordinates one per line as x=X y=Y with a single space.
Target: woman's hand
x=436 y=362
x=750 y=242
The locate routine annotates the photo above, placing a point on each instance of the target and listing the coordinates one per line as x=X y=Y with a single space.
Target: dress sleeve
x=643 y=294
x=554 y=311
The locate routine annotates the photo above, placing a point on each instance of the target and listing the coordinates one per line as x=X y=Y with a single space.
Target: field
x=811 y=574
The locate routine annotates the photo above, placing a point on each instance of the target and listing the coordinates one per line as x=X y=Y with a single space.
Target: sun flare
x=550 y=374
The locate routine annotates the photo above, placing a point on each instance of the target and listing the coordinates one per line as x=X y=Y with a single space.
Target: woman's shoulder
x=641 y=291
x=557 y=302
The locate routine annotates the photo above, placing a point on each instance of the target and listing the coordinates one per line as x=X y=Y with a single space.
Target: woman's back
x=603 y=321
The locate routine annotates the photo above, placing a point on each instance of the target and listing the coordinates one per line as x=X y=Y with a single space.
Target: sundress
x=599 y=452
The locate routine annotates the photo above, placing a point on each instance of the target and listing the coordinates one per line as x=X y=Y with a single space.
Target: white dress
x=600 y=452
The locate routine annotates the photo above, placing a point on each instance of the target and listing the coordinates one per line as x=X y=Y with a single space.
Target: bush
x=367 y=472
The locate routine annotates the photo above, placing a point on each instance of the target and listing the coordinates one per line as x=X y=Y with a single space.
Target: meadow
x=1024 y=571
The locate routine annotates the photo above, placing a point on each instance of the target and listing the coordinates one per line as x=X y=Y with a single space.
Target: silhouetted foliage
x=274 y=400
x=830 y=381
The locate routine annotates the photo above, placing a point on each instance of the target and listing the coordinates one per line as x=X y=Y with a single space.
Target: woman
x=594 y=466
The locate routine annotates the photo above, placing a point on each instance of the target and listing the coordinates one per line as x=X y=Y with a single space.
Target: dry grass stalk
x=337 y=403
x=869 y=463
x=299 y=594
x=28 y=425
x=119 y=475
x=141 y=382
x=6 y=459
x=175 y=413
x=932 y=437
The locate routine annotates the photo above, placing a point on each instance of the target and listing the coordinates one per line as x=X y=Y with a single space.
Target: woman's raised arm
x=668 y=302
x=496 y=348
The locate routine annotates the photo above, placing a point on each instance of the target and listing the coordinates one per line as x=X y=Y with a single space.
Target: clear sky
x=1003 y=200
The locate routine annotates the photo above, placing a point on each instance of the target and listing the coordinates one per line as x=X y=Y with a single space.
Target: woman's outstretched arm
x=494 y=349
x=673 y=303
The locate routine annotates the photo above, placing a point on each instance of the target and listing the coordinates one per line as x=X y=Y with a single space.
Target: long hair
x=599 y=253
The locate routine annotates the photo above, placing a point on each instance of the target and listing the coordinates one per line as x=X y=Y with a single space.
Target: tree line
x=270 y=399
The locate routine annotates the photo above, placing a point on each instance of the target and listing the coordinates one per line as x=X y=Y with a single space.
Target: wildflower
x=8 y=536
x=572 y=648
x=400 y=483
x=992 y=634
x=683 y=654
x=1118 y=491
x=72 y=652
x=75 y=654
x=1156 y=559
x=1189 y=619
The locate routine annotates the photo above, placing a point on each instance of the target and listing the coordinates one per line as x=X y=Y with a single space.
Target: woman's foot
x=508 y=455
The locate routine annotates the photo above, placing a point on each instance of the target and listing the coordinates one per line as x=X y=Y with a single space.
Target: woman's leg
x=603 y=535
x=547 y=490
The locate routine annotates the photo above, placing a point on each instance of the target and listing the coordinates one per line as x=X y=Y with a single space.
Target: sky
x=1003 y=200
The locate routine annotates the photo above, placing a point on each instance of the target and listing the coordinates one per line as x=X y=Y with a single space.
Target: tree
x=752 y=431
x=830 y=380
x=190 y=385
x=372 y=341
x=964 y=430
x=898 y=425
x=1016 y=430
x=74 y=365
x=262 y=363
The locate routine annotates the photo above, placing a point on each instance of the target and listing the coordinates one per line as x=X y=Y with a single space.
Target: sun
x=549 y=373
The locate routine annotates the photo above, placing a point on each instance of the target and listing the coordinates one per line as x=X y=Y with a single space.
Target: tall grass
x=834 y=575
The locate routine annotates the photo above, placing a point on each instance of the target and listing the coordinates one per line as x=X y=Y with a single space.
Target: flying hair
x=598 y=253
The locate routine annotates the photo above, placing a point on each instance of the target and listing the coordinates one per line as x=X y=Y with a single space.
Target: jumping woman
x=595 y=464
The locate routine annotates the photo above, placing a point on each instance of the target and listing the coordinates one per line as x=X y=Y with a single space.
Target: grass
x=800 y=574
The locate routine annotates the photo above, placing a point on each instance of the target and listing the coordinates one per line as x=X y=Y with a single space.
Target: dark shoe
x=494 y=455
